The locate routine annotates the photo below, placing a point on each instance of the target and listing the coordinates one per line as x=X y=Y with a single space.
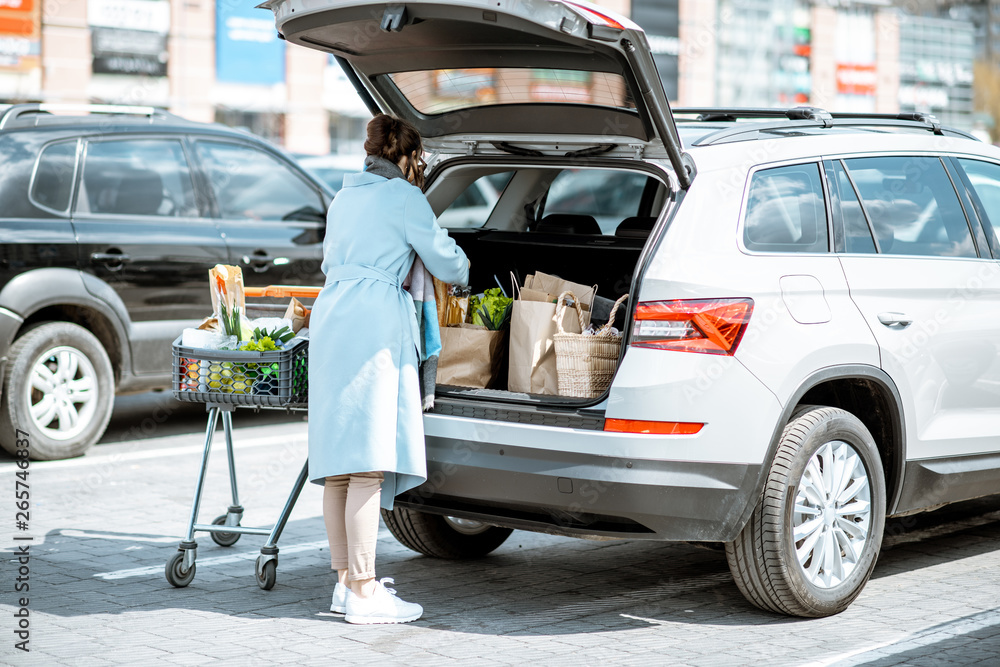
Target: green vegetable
x=491 y=309
x=231 y=321
x=283 y=335
x=263 y=344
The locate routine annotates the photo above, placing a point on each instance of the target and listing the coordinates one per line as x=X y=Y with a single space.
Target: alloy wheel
x=62 y=392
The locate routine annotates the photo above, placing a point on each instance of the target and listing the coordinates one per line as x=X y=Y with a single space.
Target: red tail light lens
x=596 y=17
x=709 y=326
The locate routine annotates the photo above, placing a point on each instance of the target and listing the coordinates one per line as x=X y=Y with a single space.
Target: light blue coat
x=364 y=395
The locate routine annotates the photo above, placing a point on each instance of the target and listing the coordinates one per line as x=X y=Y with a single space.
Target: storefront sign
x=20 y=40
x=924 y=97
x=247 y=48
x=856 y=79
x=129 y=36
x=129 y=52
x=146 y=15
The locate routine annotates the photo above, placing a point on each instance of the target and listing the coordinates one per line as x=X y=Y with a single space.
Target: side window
x=249 y=183
x=609 y=196
x=472 y=208
x=52 y=184
x=847 y=211
x=136 y=177
x=985 y=179
x=785 y=211
x=912 y=206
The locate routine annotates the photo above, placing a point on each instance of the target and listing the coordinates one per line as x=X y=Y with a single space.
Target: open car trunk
x=514 y=239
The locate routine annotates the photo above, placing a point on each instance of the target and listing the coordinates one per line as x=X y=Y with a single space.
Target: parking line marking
x=955 y=628
x=69 y=532
x=207 y=562
x=246 y=443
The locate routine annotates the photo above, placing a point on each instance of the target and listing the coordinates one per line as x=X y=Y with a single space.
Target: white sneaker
x=338 y=605
x=382 y=607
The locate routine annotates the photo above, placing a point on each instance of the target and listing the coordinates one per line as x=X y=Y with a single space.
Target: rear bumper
x=579 y=482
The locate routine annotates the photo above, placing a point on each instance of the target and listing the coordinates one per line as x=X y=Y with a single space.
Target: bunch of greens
x=491 y=309
x=262 y=344
x=282 y=335
x=231 y=322
x=264 y=340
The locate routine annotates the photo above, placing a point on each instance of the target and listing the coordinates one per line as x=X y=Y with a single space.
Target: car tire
x=815 y=534
x=79 y=390
x=443 y=537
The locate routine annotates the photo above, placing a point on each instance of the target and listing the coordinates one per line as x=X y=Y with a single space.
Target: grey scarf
x=382 y=167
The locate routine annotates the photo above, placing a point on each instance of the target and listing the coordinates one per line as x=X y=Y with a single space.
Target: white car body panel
x=946 y=364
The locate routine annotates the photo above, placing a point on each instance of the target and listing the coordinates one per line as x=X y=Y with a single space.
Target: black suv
x=110 y=219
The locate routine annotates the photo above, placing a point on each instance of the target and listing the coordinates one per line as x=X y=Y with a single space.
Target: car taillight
x=596 y=17
x=709 y=326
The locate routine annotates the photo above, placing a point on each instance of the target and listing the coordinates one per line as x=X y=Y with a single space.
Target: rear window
x=54 y=175
x=786 y=211
x=443 y=90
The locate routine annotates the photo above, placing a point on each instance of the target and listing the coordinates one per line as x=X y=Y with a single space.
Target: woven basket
x=585 y=364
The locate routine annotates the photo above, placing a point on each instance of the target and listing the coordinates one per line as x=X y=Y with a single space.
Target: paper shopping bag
x=470 y=355
x=554 y=285
x=532 y=351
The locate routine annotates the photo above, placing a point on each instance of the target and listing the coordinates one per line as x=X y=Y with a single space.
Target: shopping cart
x=224 y=381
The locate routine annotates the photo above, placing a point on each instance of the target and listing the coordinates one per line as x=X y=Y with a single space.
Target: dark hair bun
x=394 y=138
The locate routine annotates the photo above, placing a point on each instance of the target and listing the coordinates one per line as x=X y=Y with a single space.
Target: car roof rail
x=16 y=111
x=735 y=113
x=806 y=117
x=913 y=116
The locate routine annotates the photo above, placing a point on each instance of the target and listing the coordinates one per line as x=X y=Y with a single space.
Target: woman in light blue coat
x=365 y=417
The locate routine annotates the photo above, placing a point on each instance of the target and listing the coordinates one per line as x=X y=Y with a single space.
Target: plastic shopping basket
x=276 y=378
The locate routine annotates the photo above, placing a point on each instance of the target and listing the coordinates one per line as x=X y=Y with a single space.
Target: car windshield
x=442 y=90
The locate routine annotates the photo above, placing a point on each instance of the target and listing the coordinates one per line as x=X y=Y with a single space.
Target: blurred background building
x=220 y=60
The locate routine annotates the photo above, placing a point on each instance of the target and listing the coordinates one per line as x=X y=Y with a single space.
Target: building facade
x=221 y=60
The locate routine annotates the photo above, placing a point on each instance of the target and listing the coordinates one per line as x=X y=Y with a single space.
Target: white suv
x=812 y=340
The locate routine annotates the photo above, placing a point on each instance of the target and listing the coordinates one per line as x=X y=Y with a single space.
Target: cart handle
x=282 y=291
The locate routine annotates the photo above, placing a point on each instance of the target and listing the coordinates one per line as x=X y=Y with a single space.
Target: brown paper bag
x=298 y=314
x=470 y=355
x=457 y=311
x=543 y=282
x=527 y=294
x=532 y=351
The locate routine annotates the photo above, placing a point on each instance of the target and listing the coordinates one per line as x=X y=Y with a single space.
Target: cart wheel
x=224 y=539
x=270 y=575
x=176 y=575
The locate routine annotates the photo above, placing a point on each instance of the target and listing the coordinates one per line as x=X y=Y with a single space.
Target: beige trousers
x=350 y=511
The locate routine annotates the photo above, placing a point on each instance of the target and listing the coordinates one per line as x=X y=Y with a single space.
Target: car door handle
x=112 y=260
x=259 y=261
x=895 y=320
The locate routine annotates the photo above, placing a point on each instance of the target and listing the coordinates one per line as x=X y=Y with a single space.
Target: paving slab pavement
x=104 y=525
